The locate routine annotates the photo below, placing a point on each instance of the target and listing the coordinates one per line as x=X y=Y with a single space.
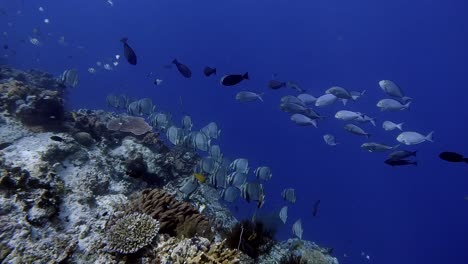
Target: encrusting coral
x=132 y=232
x=172 y=214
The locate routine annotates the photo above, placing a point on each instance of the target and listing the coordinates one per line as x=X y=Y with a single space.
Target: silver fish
x=346 y=115
x=146 y=106
x=307 y=99
x=297 y=229
x=252 y=191
x=245 y=96
x=70 y=78
x=377 y=147
x=389 y=126
x=211 y=130
x=187 y=123
x=174 y=135
x=294 y=86
x=401 y=154
x=283 y=214
x=289 y=195
x=292 y=99
x=413 y=138
x=220 y=178
x=215 y=152
x=391 y=88
x=133 y=108
x=293 y=108
x=392 y=105
x=230 y=194
x=339 y=92
x=330 y=140
x=356 y=130
x=240 y=165
x=326 y=99
x=207 y=164
x=201 y=141
x=263 y=173
x=236 y=179
x=160 y=120
x=303 y=120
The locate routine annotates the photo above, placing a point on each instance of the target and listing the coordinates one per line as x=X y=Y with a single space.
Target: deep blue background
x=395 y=215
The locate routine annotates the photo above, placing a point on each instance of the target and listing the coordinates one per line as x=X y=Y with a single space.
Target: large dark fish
x=400 y=162
x=275 y=85
x=209 y=71
x=183 y=69
x=452 y=157
x=233 y=79
x=128 y=52
x=316 y=207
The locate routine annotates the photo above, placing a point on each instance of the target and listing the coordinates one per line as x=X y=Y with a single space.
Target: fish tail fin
x=368 y=135
x=175 y=61
x=246 y=76
x=414 y=153
x=314 y=123
x=407 y=105
x=363 y=92
x=465 y=160
x=344 y=101
x=124 y=40
x=259 y=96
x=406 y=98
x=430 y=137
x=372 y=121
x=396 y=146
x=400 y=126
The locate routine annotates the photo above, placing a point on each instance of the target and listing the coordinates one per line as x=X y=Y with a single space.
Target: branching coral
x=132 y=232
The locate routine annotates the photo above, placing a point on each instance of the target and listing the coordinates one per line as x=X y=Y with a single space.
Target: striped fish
x=297 y=229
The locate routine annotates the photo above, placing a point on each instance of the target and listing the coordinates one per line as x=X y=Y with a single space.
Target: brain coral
x=132 y=232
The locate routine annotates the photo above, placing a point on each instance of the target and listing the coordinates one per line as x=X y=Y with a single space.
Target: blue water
x=394 y=215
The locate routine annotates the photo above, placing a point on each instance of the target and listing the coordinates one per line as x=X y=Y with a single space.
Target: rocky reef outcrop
x=71 y=188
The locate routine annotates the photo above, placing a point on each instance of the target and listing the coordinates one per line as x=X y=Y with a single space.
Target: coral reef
x=132 y=232
x=66 y=180
x=175 y=217
x=250 y=237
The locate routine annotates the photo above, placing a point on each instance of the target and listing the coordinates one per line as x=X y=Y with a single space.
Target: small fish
x=200 y=177
x=292 y=99
x=56 y=138
x=391 y=88
x=128 y=52
x=307 y=99
x=330 y=140
x=289 y=195
x=326 y=99
x=400 y=162
x=356 y=130
x=158 y=82
x=283 y=214
x=246 y=96
x=315 y=208
x=275 y=84
x=392 y=105
x=230 y=194
x=389 y=126
x=295 y=86
x=346 y=115
x=402 y=154
x=183 y=69
x=413 y=138
x=303 y=120
x=233 y=79
x=209 y=71
x=452 y=157
x=364 y=119
x=377 y=147
x=297 y=229
x=339 y=92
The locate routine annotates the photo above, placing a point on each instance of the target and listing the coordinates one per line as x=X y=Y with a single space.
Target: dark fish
x=452 y=157
x=400 y=162
x=183 y=69
x=233 y=79
x=56 y=138
x=209 y=71
x=316 y=207
x=128 y=52
x=274 y=84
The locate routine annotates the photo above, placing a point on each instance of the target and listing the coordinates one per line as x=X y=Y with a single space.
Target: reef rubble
x=70 y=188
